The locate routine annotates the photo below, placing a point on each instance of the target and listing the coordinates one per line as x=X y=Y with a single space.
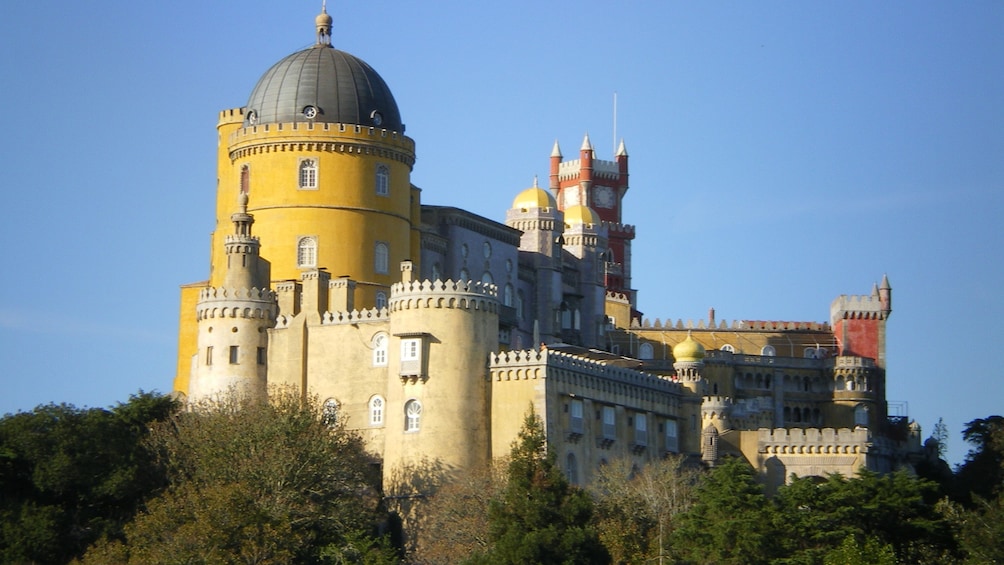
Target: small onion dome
x=580 y=214
x=534 y=197
x=688 y=350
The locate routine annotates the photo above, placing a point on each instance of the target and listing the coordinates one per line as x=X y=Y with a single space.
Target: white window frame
x=768 y=351
x=411 y=349
x=381 y=257
x=412 y=415
x=728 y=347
x=307 y=174
x=306 y=252
x=380 y=343
x=382 y=180
x=376 y=406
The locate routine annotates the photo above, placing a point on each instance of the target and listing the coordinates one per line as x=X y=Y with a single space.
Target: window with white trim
x=380 y=350
x=410 y=349
x=412 y=415
x=376 y=410
x=306 y=252
x=381 y=258
x=728 y=347
x=382 y=180
x=768 y=351
x=308 y=174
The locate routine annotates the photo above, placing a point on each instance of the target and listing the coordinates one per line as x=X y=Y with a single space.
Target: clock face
x=603 y=197
x=571 y=196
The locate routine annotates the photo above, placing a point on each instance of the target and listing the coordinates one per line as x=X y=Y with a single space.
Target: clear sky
x=782 y=154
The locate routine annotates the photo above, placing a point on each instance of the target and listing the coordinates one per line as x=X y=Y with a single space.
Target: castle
x=431 y=330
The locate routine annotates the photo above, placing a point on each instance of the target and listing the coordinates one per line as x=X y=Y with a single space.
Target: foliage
x=264 y=482
x=69 y=476
x=982 y=474
x=893 y=509
x=730 y=521
x=539 y=517
x=636 y=507
x=940 y=434
x=453 y=523
x=852 y=552
x=980 y=529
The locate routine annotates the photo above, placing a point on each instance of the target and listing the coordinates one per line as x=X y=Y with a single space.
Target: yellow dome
x=580 y=214
x=534 y=197
x=688 y=350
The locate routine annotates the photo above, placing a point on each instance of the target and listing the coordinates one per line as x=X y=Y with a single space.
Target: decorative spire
x=323 y=23
x=621 y=150
x=556 y=152
x=885 y=283
x=586 y=144
x=535 y=181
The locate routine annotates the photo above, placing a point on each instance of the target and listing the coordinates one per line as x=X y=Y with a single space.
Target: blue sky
x=782 y=154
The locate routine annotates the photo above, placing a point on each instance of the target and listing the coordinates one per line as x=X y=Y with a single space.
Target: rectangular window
x=672 y=443
x=261 y=355
x=233 y=354
x=640 y=430
x=609 y=423
x=409 y=349
x=575 y=417
x=209 y=355
x=308 y=174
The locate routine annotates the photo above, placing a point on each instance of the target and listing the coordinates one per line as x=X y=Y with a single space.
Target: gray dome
x=323 y=84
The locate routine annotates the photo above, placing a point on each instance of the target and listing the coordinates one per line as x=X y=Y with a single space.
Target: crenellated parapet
x=465 y=295
x=858 y=307
x=813 y=441
x=355 y=317
x=734 y=326
x=601 y=169
x=532 y=365
x=322 y=137
x=617 y=229
x=236 y=303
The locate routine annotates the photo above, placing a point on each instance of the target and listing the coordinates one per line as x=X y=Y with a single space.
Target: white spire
x=586 y=145
x=556 y=152
x=622 y=150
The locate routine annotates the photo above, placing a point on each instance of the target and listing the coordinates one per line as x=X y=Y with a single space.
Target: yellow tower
x=320 y=148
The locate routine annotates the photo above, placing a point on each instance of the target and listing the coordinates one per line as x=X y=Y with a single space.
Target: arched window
x=729 y=348
x=507 y=295
x=245 y=179
x=572 y=469
x=381 y=258
x=768 y=351
x=382 y=180
x=437 y=272
x=329 y=412
x=376 y=410
x=306 y=252
x=381 y=300
x=809 y=353
x=380 y=350
x=465 y=275
x=412 y=415
x=646 y=351
x=308 y=174
x=487 y=279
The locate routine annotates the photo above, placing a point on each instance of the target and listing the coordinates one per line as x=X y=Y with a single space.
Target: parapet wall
x=467 y=295
x=236 y=303
x=859 y=307
x=813 y=440
x=325 y=137
x=514 y=365
x=735 y=325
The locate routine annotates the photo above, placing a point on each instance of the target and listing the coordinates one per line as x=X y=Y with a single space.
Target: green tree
x=980 y=529
x=69 y=476
x=982 y=474
x=851 y=552
x=730 y=521
x=940 y=434
x=539 y=517
x=266 y=482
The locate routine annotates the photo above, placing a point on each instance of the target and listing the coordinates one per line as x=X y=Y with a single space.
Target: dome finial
x=323 y=23
x=535 y=181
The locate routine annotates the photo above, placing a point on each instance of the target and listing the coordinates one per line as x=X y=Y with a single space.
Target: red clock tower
x=600 y=185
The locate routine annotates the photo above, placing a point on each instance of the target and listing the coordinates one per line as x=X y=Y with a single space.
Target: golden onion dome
x=580 y=214
x=688 y=350
x=534 y=197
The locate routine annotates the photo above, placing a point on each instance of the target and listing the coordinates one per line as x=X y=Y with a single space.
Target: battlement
x=236 y=303
x=813 y=440
x=619 y=229
x=716 y=401
x=601 y=169
x=323 y=137
x=734 y=326
x=355 y=317
x=530 y=364
x=857 y=307
x=618 y=297
x=468 y=295
x=231 y=115
x=848 y=362
x=246 y=239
